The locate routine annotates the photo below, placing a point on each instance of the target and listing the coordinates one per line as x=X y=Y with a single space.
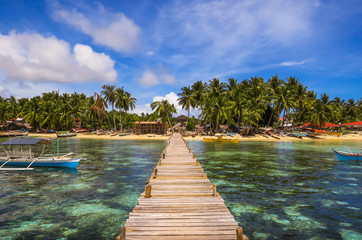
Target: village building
x=140 y=128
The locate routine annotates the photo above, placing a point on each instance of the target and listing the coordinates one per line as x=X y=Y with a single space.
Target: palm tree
x=163 y=108
x=274 y=87
x=110 y=95
x=98 y=108
x=236 y=103
x=4 y=113
x=120 y=103
x=198 y=91
x=187 y=100
x=320 y=113
x=129 y=103
x=207 y=111
x=216 y=88
x=32 y=112
x=220 y=110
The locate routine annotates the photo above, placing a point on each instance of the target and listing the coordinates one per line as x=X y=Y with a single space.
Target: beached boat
x=124 y=134
x=19 y=152
x=219 y=138
x=348 y=155
x=14 y=134
x=66 y=134
x=335 y=133
x=299 y=135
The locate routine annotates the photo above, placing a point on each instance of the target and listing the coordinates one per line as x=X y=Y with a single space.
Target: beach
x=349 y=137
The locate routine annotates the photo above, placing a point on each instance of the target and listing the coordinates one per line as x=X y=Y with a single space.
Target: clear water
x=275 y=190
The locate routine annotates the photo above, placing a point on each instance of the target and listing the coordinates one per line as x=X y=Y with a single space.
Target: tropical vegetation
x=250 y=103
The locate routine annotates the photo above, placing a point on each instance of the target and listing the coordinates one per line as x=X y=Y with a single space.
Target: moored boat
x=348 y=155
x=65 y=134
x=219 y=138
x=299 y=135
x=18 y=152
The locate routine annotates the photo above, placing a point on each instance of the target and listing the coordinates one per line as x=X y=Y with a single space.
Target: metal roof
x=24 y=141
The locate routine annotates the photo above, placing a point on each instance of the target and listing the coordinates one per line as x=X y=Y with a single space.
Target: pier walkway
x=179 y=202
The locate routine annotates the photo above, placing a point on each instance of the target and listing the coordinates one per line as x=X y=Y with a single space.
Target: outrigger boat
x=299 y=135
x=219 y=138
x=18 y=152
x=348 y=156
x=66 y=134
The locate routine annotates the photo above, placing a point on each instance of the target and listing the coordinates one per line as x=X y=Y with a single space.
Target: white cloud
x=171 y=98
x=113 y=30
x=2 y=90
x=33 y=57
x=149 y=78
x=291 y=63
x=215 y=36
x=145 y=108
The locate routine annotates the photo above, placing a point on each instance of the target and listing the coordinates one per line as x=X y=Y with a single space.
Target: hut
x=140 y=128
x=181 y=119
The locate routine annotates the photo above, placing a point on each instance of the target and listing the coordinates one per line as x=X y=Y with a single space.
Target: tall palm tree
x=207 y=111
x=98 y=108
x=130 y=103
x=220 y=110
x=120 y=103
x=110 y=95
x=274 y=86
x=164 y=108
x=32 y=112
x=216 y=88
x=187 y=100
x=236 y=103
x=198 y=91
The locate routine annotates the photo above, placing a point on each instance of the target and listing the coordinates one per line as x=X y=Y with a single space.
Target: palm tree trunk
x=120 y=119
x=114 y=120
x=125 y=118
x=270 y=118
x=238 y=123
x=170 y=123
x=188 y=115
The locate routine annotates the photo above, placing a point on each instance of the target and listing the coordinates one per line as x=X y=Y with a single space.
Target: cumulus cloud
x=150 y=78
x=113 y=30
x=33 y=57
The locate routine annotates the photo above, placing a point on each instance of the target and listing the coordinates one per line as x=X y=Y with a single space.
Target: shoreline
x=349 y=137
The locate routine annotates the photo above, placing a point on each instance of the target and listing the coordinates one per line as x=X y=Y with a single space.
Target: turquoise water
x=284 y=190
x=275 y=190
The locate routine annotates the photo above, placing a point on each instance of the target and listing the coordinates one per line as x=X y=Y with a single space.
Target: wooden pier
x=179 y=202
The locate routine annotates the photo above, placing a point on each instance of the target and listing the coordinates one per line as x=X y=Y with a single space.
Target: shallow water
x=275 y=190
x=287 y=190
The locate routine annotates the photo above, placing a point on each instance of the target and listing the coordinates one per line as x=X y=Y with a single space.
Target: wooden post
x=159 y=162
x=155 y=170
x=122 y=236
x=214 y=190
x=193 y=156
x=148 y=191
x=202 y=172
x=197 y=162
x=239 y=233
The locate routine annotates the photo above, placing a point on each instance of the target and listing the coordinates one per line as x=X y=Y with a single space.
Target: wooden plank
x=180 y=202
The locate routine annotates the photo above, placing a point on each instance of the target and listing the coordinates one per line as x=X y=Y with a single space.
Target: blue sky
x=153 y=48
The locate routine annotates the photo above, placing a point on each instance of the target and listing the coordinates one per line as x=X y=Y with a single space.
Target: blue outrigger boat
x=348 y=156
x=18 y=152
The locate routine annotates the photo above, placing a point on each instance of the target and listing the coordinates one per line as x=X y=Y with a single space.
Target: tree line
x=256 y=102
x=58 y=111
x=252 y=103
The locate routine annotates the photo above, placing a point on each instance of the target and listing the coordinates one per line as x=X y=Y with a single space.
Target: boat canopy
x=24 y=141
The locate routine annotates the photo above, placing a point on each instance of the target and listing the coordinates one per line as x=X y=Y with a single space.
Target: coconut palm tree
x=129 y=103
x=207 y=111
x=164 y=108
x=98 y=108
x=320 y=113
x=198 y=91
x=236 y=103
x=110 y=95
x=187 y=100
x=220 y=110
x=4 y=113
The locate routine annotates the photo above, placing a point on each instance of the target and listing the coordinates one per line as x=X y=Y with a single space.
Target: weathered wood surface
x=180 y=202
